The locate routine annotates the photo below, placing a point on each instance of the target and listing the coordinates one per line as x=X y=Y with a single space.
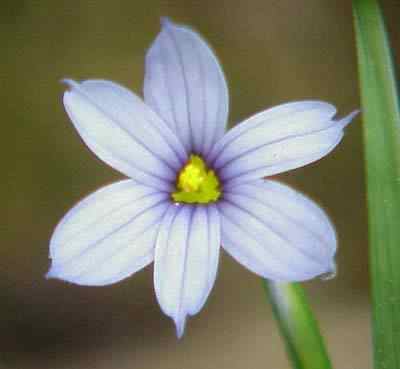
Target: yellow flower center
x=196 y=184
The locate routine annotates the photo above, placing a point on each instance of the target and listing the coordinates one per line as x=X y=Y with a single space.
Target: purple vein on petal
x=121 y=247
x=185 y=82
x=274 y=231
x=89 y=247
x=77 y=88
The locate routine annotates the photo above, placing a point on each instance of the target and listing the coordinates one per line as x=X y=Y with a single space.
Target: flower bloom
x=192 y=187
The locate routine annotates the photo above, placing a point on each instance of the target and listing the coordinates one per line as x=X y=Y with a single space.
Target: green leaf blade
x=298 y=326
x=381 y=115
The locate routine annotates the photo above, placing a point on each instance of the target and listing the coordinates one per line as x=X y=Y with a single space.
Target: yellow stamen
x=196 y=184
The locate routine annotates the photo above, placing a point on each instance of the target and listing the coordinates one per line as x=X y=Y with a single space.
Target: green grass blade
x=380 y=107
x=298 y=326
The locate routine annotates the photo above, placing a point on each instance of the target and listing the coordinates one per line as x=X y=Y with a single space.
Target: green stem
x=298 y=326
x=380 y=105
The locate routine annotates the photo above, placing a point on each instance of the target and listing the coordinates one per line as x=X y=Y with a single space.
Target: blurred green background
x=272 y=52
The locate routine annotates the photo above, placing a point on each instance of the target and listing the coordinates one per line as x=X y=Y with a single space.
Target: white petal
x=109 y=235
x=184 y=84
x=277 y=232
x=186 y=260
x=121 y=130
x=276 y=140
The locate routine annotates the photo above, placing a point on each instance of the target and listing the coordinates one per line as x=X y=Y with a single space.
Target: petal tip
x=180 y=327
x=69 y=82
x=51 y=274
x=166 y=22
x=330 y=274
x=347 y=119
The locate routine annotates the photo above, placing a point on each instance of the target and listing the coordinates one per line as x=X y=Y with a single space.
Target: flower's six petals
x=276 y=140
x=277 y=232
x=121 y=130
x=109 y=235
x=186 y=260
x=185 y=85
x=268 y=227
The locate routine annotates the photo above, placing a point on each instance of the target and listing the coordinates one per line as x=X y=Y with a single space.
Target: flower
x=192 y=186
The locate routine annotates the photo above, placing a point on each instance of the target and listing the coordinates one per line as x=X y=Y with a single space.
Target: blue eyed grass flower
x=192 y=186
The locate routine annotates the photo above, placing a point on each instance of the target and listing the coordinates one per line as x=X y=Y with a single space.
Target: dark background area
x=272 y=52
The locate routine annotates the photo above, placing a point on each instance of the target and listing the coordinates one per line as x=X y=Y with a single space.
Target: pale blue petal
x=283 y=138
x=285 y=116
x=109 y=235
x=277 y=232
x=186 y=260
x=122 y=131
x=185 y=85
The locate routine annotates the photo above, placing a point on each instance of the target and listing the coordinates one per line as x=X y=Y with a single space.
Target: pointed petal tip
x=69 y=82
x=50 y=274
x=330 y=274
x=54 y=273
x=347 y=119
x=166 y=22
x=180 y=327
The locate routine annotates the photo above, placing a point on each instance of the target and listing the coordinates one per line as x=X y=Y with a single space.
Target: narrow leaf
x=298 y=326
x=380 y=107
